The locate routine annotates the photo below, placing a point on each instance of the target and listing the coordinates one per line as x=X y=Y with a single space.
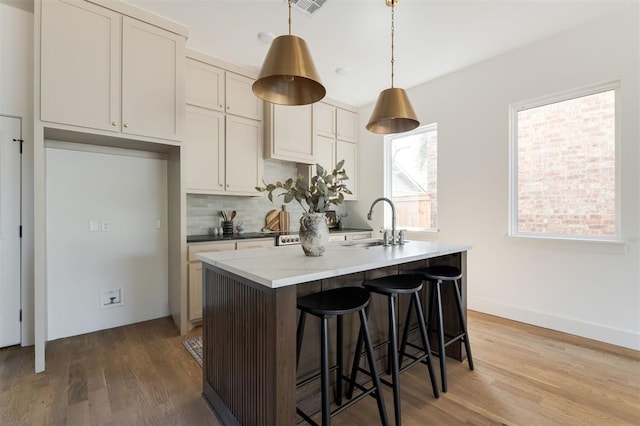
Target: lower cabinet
x=195 y=267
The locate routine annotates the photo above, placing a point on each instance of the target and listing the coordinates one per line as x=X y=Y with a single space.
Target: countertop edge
x=222 y=261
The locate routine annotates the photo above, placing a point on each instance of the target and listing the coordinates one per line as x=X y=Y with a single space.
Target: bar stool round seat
x=337 y=302
x=391 y=287
x=437 y=275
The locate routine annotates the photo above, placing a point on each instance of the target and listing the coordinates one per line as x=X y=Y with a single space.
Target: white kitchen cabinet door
x=204 y=85
x=346 y=125
x=204 y=150
x=325 y=153
x=348 y=152
x=80 y=65
x=195 y=291
x=152 y=81
x=243 y=148
x=290 y=133
x=324 y=119
x=240 y=99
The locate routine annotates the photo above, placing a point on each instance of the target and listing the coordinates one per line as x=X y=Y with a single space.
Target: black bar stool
x=324 y=304
x=391 y=287
x=437 y=275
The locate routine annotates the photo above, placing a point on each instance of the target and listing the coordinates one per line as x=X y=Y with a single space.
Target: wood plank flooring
x=141 y=374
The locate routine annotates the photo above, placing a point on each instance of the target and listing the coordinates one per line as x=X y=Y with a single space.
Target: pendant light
x=288 y=76
x=393 y=112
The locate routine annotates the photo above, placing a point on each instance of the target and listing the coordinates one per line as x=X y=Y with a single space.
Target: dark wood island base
x=249 y=340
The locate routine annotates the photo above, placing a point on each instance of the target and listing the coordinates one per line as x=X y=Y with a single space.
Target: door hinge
x=21 y=143
x=20 y=315
x=20 y=231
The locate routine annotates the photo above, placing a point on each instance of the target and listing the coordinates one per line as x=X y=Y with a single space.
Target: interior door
x=10 y=171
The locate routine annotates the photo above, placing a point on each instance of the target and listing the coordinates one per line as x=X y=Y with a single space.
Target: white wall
x=130 y=192
x=16 y=99
x=588 y=289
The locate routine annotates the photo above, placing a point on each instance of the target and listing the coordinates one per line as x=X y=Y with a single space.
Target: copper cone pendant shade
x=288 y=75
x=393 y=113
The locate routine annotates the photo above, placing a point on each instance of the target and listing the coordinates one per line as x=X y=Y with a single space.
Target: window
x=412 y=177
x=563 y=174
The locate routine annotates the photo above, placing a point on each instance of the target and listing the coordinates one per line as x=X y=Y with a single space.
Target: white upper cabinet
x=336 y=139
x=204 y=150
x=324 y=119
x=346 y=125
x=325 y=152
x=80 y=65
x=152 y=81
x=205 y=85
x=84 y=51
x=289 y=133
x=224 y=138
x=244 y=165
x=240 y=98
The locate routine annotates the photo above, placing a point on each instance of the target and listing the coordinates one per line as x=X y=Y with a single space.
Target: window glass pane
x=566 y=167
x=414 y=172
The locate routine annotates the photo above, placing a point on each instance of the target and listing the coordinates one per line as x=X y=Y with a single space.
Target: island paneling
x=249 y=321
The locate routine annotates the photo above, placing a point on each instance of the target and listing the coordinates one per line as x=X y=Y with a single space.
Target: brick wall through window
x=566 y=167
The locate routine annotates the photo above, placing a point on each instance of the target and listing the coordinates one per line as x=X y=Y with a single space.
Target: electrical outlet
x=105 y=226
x=111 y=297
x=94 y=226
x=157 y=224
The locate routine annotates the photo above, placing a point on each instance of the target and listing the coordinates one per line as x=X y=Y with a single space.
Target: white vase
x=314 y=233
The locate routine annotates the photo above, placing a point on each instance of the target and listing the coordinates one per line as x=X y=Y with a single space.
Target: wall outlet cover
x=111 y=297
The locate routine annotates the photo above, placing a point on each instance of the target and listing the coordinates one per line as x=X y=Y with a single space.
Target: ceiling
x=432 y=37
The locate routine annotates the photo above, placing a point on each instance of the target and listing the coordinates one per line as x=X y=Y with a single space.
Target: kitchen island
x=249 y=318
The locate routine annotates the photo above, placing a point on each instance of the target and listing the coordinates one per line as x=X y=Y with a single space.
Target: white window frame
x=388 y=175
x=513 y=159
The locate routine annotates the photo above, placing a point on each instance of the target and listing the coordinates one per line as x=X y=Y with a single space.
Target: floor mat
x=194 y=347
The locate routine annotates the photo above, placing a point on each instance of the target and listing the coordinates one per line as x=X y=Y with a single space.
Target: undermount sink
x=363 y=244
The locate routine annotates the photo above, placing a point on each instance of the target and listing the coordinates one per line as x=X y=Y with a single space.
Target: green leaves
x=324 y=189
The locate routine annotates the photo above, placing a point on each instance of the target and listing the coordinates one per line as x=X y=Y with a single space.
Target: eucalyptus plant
x=324 y=189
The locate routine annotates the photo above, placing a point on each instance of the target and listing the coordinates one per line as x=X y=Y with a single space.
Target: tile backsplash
x=203 y=211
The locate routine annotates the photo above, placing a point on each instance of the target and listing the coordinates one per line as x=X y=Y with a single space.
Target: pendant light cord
x=393 y=12
x=289 y=17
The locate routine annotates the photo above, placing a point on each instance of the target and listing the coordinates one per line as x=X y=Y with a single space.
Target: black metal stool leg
x=405 y=332
x=356 y=361
x=339 y=362
x=463 y=325
x=326 y=414
x=374 y=372
x=393 y=354
x=299 y=336
x=441 y=349
x=425 y=343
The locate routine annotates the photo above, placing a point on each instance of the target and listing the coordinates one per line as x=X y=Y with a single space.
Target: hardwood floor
x=141 y=374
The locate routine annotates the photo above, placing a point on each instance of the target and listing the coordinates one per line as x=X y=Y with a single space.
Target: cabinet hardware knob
x=228 y=107
x=125 y=125
x=113 y=123
x=220 y=106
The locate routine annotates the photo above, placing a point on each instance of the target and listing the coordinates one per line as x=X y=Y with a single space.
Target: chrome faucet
x=393 y=217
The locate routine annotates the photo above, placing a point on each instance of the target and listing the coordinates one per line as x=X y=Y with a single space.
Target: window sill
x=581 y=244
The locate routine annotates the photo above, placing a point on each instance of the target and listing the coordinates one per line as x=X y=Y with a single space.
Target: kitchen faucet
x=393 y=219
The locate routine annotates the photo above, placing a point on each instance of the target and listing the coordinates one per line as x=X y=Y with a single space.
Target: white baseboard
x=615 y=336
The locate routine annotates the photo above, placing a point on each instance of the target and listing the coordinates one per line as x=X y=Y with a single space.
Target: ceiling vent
x=308 y=6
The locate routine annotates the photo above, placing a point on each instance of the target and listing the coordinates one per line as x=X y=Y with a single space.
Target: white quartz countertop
x=287 y=265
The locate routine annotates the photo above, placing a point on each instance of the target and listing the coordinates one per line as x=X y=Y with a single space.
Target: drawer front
x=255 y=244
x=193 y=249
x=359 y=236
x=336 y=237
